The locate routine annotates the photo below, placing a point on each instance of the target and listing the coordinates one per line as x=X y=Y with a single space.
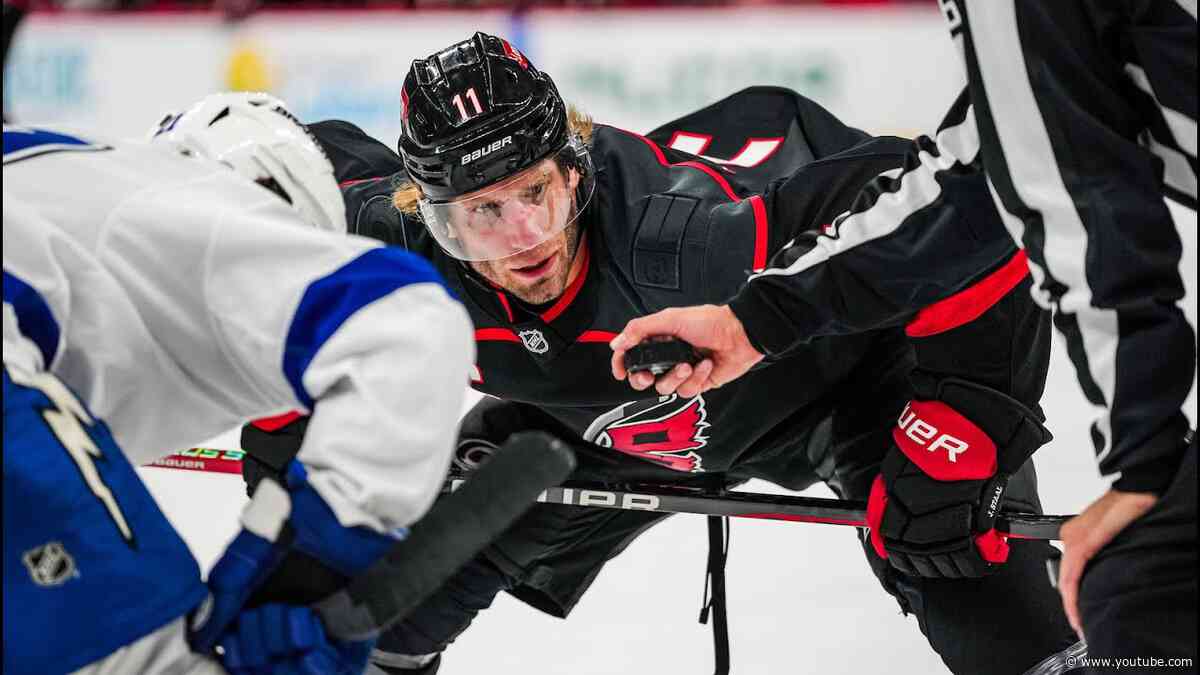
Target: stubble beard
x=543 y=290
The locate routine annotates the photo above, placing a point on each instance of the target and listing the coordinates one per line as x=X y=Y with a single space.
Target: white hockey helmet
x=256 y=135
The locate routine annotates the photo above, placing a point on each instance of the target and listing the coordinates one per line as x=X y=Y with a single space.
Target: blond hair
x=405 y=198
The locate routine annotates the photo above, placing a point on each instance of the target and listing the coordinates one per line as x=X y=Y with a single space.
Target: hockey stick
x=212 y=460
x=452 y=532
x=668 y=499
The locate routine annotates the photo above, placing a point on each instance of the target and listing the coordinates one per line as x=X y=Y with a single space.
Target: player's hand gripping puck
x=717 y=350
x=659 y=355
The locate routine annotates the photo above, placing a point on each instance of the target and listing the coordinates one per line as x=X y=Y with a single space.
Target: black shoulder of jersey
x=369 y=172
x=652 y=217
x=679 y=225
x=355 y=155
x=370 y=213
x=810 y=131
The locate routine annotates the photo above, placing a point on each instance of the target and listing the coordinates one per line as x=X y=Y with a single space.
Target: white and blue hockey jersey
x=216 y=305
x=177 y=300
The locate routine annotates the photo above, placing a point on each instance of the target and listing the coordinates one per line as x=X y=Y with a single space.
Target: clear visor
x=510 y=217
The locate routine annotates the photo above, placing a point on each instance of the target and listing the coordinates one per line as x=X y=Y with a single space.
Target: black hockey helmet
x=475 y=113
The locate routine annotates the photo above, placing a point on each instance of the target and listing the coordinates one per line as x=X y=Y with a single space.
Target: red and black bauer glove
x=933 y=508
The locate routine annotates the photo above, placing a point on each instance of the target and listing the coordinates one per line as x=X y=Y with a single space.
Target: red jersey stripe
x=596 y=336
x=968 y=304
x=495 y=334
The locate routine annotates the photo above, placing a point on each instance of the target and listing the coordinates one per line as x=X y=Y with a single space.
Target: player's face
x=540 y=274
x=527 y=220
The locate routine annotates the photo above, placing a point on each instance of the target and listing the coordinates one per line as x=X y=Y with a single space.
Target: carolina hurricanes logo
x=667 y=430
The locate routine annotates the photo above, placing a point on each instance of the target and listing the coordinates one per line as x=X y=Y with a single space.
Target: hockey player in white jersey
x=153 y=298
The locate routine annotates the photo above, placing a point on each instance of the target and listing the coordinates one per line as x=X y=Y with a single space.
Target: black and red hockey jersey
x=766 y=168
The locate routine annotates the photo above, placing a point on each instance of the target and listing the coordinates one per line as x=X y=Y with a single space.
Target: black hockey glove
x=933 y=507
x=269 y=444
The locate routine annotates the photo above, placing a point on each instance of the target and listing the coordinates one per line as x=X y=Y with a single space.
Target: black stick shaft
x=665 y=499
x=449 y=535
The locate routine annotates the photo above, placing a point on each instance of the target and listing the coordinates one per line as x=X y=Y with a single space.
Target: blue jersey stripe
x=33 y=316
x=24 y=142
x=17 y=139
x=329 y=301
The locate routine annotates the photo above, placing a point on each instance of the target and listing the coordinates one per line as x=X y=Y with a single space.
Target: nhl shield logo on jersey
x=534 y=341
x=50 y=564
x=667 y=430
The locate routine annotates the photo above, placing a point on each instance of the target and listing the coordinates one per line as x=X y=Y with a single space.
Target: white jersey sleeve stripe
x=958 y=145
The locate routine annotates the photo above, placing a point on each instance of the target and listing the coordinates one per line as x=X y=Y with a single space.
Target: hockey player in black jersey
x=555 y=232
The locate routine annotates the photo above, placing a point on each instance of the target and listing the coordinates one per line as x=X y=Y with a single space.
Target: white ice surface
x=801 y=597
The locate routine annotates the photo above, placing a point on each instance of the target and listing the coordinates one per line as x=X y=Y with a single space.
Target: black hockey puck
x=659 y=356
